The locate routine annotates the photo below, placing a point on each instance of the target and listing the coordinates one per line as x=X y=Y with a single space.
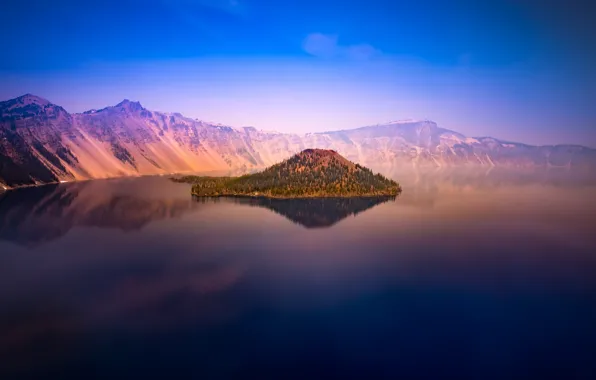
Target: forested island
x=312 y=173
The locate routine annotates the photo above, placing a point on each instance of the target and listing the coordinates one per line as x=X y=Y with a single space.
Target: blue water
x=458 y=279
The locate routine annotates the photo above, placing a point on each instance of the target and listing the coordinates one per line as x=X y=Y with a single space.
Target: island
x=312 y=173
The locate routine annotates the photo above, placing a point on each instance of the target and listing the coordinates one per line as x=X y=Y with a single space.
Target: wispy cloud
x=328 y=46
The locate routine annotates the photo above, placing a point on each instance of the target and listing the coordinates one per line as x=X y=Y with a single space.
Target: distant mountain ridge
x=41 y=142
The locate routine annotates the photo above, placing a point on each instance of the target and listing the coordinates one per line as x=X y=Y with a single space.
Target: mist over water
x=469 y=274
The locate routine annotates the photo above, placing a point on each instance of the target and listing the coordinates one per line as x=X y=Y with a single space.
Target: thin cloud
x=321 y=45
x=362 y=51
x=328 y=46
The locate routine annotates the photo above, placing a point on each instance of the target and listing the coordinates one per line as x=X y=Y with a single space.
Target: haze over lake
x=465 y=274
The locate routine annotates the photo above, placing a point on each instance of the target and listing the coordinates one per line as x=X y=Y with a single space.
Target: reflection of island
x=31 y=216
x=310 y=212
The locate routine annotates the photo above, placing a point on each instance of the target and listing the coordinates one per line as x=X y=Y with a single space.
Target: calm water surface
x=462 y=276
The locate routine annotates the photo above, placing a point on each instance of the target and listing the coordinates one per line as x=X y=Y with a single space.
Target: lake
x=465 y=275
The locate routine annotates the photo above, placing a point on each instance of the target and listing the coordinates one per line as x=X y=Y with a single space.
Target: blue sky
x=519 y=70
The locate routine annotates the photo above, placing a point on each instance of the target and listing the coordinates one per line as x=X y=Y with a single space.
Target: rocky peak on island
x=317 y=158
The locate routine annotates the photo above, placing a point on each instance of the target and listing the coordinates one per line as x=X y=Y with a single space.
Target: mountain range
x=41 y=142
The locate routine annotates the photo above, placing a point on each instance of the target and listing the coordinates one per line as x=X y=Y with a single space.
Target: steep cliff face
x=40 y=142
x=32 y=148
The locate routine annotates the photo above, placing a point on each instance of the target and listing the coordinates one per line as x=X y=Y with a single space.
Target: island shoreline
x=334 y=196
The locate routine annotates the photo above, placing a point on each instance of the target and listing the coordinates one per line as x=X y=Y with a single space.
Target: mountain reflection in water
x=32 y=216
x=35 y=215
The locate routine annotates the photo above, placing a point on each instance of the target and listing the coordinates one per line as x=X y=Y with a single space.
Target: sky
x=516 y=70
